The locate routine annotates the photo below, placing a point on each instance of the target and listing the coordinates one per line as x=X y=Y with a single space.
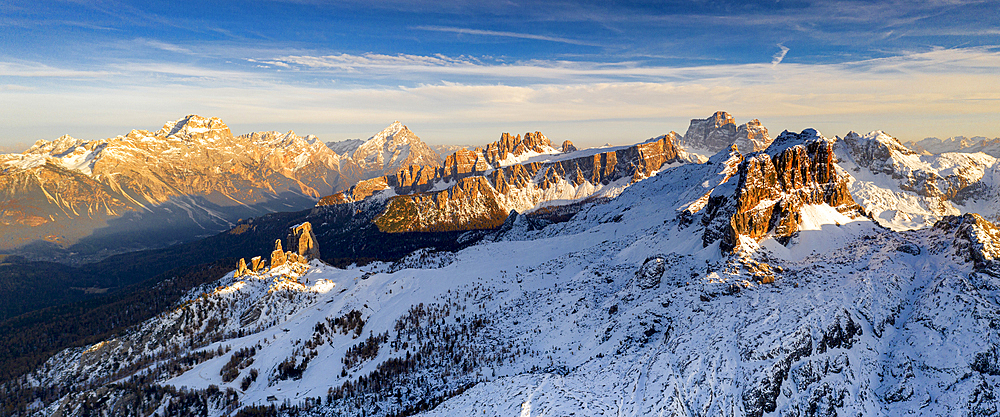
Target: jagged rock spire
x=278 y=256
x=302 y=240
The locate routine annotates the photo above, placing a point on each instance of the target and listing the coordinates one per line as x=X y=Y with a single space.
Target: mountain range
x=795 y=276
x=191 y=178
x=958 y=144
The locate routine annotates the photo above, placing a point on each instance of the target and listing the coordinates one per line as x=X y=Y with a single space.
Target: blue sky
x=465 y=71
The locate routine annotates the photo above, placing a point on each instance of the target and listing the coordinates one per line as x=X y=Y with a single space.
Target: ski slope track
x=626 y=310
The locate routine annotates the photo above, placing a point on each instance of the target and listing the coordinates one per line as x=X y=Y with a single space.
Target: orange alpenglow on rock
x=302 y=240
x=241 y=268
x=278 y=256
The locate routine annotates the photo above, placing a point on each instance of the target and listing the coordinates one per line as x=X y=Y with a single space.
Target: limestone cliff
x=477 y=189
x=720 y=131
x=302 y=240
x=773 y=186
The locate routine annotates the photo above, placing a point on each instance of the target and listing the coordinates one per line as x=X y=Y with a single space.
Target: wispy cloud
x=19 y=69
x=480 y=32
x=779 y=56
x=169 y=47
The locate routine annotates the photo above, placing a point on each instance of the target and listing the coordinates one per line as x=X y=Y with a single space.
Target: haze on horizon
x=462 y=72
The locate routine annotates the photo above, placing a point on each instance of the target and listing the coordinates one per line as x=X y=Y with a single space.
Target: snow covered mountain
x=190 y=178
x=906 y=190
x=744 y=286
x=958 y=144
x=386 y=152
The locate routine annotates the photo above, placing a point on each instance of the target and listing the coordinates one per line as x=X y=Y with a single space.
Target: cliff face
x=976 y=240
x=772 y=188
x=461 y=195
x=720 y=131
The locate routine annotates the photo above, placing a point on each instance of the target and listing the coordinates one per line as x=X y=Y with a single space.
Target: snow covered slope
x=628 y=308
x=958 y=144
x=906 y=190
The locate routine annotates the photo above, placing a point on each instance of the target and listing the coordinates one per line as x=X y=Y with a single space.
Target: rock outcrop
x=497 y=152
x=302 y=243
x=483 y=202
x=773 y=186
x=241 y=268
x=568 y=147
x=302 y=240
x=976 y=239
x=477 y=189
x=278 y=257
x=469 y=204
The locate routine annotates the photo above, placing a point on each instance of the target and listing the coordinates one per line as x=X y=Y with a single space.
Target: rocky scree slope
x=478 y=189
x=623 y=309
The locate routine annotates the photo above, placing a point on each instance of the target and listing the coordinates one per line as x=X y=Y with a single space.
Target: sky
x=463 y=72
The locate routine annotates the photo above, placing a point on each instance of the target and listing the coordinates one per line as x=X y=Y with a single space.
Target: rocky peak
x=752 y=136
x=517 y=145
x=797 y=169
x=192 y=127
x=278 y=255
x=719 y=132
x=976 y=238
x=59 y=146
x=304 y=247
x=463 y=163
x=875 y=150
x=392 y=149
x=568 y=147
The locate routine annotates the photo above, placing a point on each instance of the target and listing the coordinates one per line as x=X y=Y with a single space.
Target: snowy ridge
x=958 y=144
x=392 y=149
x=621 y=310
x=906 y=190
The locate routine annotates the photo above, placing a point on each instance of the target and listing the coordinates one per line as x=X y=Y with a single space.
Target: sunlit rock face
x=394 y=148
x=773 y=186
x=477 y=189
x=720 y=131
